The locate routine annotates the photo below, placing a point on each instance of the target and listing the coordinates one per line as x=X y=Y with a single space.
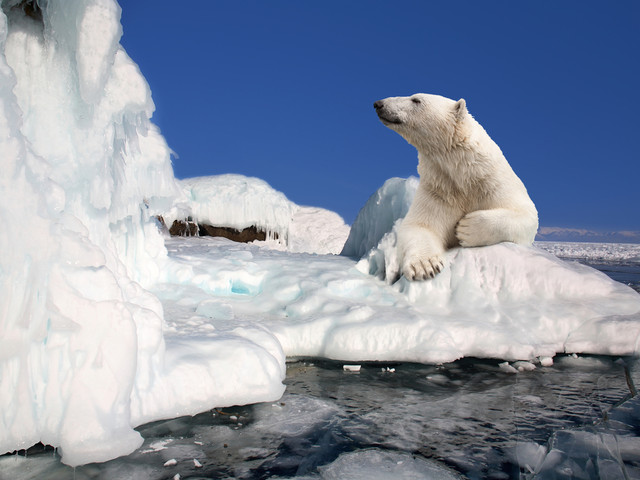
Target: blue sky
x=283 y=91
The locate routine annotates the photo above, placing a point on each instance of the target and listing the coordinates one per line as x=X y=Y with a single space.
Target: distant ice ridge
x=240 y=202
x=594 y=252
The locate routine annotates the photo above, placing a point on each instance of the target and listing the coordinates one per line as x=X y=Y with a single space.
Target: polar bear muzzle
x=385 y=115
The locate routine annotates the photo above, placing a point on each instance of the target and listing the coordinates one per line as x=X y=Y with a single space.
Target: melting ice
x=105 y=324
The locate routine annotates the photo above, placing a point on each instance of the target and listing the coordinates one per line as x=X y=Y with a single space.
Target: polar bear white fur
x=468 y=194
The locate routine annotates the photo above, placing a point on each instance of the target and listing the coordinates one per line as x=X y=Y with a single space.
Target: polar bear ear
x=460 y=109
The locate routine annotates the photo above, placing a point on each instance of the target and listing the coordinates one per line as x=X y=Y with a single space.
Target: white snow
x=238 y=202
x=105 y=324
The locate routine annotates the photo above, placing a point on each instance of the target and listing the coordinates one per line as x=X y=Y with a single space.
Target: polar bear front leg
x=420 y=252
x=488 y=227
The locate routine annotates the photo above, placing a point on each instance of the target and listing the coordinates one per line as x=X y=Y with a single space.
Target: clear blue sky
x=283 y=90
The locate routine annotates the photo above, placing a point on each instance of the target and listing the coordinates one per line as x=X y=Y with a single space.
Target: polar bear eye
x=416 y=100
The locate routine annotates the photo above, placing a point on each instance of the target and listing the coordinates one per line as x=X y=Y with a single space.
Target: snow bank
x=239 y=202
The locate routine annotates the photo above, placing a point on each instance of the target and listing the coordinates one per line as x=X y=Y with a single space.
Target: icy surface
x=378 y=464
x=84 y=169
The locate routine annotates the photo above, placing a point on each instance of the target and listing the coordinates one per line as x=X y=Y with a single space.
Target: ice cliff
x=83 y=170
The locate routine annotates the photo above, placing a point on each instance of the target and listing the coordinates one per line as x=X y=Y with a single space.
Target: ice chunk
x=351 y=368
x=376 y=464
x=389 y=203
x=296 y=415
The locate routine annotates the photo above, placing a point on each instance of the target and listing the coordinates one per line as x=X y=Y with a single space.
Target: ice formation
x=85 y=168
x=105 y=324
x=82 y=354
x=388 y=204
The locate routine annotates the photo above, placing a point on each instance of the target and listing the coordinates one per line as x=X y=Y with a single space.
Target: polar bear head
x=425 y=121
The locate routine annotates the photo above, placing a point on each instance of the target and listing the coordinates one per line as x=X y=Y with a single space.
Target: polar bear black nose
x=377 y=105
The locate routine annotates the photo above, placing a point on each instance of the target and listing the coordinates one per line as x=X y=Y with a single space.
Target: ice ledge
x=504 y=301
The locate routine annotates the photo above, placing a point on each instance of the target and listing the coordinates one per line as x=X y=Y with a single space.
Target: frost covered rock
x=238 y=202
x=248 y=209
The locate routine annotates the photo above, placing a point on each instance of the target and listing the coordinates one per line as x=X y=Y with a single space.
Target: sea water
x=578 y=418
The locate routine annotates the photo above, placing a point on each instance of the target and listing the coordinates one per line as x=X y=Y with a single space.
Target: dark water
x=579 y=418
x=624 y=272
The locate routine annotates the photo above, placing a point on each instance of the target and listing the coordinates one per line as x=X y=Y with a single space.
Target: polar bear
x=468 y=195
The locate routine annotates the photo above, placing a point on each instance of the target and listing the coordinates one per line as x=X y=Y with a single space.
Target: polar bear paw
x=476 y=229
x=422 y=268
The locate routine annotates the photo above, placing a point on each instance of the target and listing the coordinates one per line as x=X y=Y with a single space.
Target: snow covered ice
x=106 y=324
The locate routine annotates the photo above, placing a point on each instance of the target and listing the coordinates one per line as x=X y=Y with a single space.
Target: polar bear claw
x=422 y=269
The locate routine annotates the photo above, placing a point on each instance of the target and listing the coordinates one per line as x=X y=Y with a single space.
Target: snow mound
x=239 y=202
x=317 y=230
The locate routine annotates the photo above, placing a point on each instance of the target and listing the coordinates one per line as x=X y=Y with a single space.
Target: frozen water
x=594 y=252
x=467 y=417
x=377 y=464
